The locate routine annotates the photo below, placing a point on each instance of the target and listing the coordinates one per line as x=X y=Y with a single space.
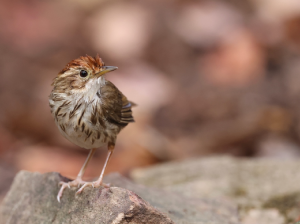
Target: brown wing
x=116 y=107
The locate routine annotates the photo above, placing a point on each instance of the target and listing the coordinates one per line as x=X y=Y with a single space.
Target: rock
x=255 y=216
x=32 y=199
x=7 y=174
x=271 y=187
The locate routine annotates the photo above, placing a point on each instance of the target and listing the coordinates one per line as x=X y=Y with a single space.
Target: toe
x=106 y=185
x=61 y=183
x=81 y=189
x=85 y=185
x=61 y=190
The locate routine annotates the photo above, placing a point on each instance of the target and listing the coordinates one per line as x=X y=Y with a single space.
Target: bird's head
x=81 y=74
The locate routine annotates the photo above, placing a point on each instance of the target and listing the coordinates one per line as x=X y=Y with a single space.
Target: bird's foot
x=74 y=183
x=93 y=184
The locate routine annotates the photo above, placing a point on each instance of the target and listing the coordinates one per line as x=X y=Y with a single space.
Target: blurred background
x=209 y=77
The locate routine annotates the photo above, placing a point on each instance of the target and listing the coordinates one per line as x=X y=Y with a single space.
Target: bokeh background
x=209 y=77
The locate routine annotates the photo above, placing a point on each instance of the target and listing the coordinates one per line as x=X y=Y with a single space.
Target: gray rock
x=32 y=199
x=7 y=174
x=255 y=216
x=254 y=184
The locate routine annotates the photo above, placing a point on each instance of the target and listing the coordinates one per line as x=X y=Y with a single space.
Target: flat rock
x=32 y=199
x=264 y=187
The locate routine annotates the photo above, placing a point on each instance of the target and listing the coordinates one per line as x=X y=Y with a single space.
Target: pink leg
x=98 y=182
x=78 y=181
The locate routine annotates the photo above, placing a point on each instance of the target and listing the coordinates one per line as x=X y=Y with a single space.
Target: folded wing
x=115 y=106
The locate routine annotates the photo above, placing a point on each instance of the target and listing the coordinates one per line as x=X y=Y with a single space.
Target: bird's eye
x=83 y=73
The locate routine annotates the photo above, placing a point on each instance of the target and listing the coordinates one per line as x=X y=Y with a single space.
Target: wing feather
x=116 y=107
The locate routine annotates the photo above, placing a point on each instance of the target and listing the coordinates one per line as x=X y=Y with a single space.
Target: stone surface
x=7 y=174
x=32 y=199
x=259 y=184
x=255 y=216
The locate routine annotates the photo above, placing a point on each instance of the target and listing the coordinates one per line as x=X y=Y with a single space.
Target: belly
x=87 y=135
x=82 y=140
x=80 y=124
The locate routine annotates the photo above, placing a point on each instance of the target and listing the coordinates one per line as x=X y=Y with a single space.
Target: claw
x=106 y=185
x=93 y=184
x=81 y=189
x=61 y=191
x=75 y=183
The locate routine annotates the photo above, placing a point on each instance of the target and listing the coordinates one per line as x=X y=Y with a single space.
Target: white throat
x=91 y=88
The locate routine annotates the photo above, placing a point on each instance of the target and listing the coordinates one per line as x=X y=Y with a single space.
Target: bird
x=89 y=111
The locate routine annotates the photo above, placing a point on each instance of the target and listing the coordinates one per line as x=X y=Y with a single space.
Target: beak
x=105 y=70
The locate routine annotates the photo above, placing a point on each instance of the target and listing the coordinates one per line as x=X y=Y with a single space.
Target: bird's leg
x=78 y=181
x=98 y=182
x=82 y=170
